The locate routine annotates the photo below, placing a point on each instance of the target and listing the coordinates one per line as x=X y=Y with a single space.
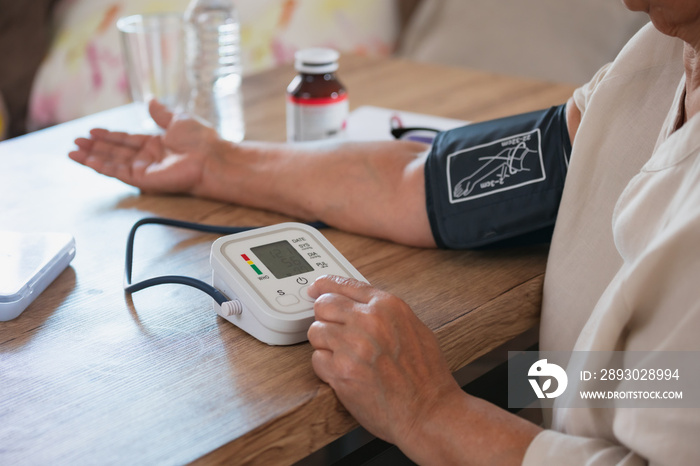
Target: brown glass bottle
x=317 y=102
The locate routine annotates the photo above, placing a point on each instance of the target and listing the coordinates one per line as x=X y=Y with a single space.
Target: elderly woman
x=622 y=270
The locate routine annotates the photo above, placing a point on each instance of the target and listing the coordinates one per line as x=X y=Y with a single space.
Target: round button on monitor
x=304 y=293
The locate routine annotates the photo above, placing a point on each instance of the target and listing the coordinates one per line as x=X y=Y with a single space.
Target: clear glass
x=154 y=60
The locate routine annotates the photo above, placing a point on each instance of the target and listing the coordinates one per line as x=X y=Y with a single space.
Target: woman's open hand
x=170 y=163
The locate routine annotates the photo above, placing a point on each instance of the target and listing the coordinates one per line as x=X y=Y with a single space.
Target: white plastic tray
x=29 y=262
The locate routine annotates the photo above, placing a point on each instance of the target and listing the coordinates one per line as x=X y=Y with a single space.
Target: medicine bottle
x=317 y=103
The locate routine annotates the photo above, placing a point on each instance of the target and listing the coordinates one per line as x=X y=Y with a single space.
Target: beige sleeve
x=551 y=447
x=657 y=303
x=583 y=94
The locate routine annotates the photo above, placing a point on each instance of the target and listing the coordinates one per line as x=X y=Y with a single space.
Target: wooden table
x=90 y=376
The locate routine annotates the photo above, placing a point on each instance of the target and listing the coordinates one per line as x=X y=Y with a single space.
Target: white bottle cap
x=316 y=60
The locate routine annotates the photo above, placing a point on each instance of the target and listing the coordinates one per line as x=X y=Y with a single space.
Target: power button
x=304 y=293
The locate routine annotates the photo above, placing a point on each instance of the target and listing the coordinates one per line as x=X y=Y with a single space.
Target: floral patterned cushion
x=84 y=73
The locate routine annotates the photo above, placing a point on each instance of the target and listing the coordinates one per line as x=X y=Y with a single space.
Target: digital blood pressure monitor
x=266 y=273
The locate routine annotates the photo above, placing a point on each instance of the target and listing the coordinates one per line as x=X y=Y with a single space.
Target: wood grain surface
x=91 y=376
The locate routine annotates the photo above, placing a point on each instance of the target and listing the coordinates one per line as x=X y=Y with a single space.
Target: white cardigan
x=624 y=266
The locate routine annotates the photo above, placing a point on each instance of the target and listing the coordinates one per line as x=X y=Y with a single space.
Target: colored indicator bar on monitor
x=251 y=263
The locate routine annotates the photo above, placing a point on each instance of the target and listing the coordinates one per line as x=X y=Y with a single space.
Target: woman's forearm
x=464 y=430
x=370 y=188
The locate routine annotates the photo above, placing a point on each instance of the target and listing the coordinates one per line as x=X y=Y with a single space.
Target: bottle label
x=314 y=119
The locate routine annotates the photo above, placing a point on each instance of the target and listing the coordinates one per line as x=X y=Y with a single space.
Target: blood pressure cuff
x=498 y=181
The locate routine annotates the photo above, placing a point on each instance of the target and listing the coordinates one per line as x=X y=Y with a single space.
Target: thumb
x=356 y=290
x=160 y=113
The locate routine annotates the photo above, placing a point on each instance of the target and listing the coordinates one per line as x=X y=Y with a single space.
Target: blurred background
x=61 y=59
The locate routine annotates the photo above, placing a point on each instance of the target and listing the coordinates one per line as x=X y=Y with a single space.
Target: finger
x=160 y=113
x=354 y=289
x=84 y=143
x=102 y=164
x=94 y=162
x=331 y=307
x=98 y=132
x=322 y=362
x=108 y=168
x=322 y=335
x=84 y=149
x=133 y=141
x=111 y=153
x=78 y=156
